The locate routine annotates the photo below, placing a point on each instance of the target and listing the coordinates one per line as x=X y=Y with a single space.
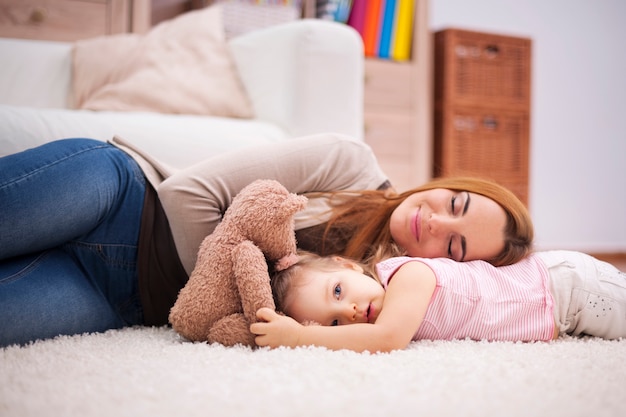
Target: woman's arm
x=195 y=199
x=406 y=301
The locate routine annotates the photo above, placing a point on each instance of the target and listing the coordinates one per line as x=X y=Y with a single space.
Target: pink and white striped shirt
x=479 y=301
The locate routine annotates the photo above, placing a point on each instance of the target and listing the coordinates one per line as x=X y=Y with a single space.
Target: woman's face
x=452 y=224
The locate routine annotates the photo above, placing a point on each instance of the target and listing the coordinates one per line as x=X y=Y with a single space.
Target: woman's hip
x=74 y=189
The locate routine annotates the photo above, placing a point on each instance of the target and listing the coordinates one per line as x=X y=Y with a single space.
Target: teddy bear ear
x=295 y=204
x=286 y=261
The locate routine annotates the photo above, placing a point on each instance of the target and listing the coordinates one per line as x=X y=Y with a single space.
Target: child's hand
x=275 y=330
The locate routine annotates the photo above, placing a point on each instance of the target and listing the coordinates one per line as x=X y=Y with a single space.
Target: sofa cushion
x=34 y=73
x=177 y=140
x=180 y=66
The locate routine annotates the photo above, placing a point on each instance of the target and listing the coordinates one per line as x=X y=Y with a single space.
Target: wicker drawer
x=486 y=143
x=481 y=69
x=388 y=83
x=62 y=20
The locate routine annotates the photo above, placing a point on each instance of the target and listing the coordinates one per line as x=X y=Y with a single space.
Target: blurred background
x=577 y=193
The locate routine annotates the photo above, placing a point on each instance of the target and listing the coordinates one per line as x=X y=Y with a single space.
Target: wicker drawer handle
x=38 y=15
x=490 y=122
x=490 y=51
x=468 y=123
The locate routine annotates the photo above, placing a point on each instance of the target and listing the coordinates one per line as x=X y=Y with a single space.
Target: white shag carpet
x=152 y=372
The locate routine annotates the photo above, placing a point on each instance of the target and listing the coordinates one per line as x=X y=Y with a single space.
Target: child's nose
x=350 y=312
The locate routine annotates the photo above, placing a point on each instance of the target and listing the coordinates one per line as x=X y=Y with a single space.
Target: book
x=371 y=27
x=403 y=34
x=357 y=15
x=386 y=29
x=337 y=10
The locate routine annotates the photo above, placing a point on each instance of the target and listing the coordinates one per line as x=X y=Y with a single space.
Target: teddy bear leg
x=232 y=330
x=252 y=279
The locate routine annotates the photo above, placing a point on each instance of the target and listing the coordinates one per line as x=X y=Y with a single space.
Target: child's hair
x=283 y=282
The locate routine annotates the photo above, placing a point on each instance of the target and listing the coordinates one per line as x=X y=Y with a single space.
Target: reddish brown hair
x=364 y=216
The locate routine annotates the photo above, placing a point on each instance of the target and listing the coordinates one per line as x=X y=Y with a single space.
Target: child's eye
x=335 y=323
x=337 y=291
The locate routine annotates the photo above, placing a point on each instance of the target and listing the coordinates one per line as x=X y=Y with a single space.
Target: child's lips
x=369 y=313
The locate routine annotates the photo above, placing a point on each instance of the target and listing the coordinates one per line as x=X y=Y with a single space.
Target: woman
x=96 y=236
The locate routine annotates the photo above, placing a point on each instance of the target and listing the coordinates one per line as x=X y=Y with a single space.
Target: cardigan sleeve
x=195 y=198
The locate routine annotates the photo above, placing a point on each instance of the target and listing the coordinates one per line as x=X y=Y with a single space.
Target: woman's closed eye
x=456 y=204
x=456 y=248
x=456 y=245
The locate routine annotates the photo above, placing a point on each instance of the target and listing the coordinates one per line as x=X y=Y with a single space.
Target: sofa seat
x=180 y=140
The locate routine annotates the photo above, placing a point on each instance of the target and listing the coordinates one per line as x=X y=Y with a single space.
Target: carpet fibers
x=152 y=372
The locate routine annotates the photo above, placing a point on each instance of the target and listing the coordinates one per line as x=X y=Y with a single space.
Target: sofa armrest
x=35 y=73
x=305 y=76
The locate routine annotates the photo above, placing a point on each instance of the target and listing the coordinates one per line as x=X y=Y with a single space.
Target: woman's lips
x=416 y=225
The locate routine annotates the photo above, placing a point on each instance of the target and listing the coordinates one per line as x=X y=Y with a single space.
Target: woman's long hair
x=364 y=217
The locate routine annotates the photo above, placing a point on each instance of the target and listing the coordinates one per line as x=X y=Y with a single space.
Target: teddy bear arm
x=252 y=279
x=232 y=330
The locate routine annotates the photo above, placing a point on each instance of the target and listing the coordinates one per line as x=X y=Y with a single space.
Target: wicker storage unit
x=482 y=107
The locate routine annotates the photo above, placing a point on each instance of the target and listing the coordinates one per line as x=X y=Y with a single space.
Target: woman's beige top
x=195 y=198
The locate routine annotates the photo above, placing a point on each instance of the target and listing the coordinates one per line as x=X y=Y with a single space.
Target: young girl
x=545 y=295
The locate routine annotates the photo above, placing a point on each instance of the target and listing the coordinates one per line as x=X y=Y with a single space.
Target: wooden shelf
x=398 y=109
x=64 y=20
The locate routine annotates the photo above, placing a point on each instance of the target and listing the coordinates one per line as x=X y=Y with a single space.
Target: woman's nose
x=438 y=224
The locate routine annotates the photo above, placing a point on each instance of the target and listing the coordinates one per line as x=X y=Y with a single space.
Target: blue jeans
x=70 y=213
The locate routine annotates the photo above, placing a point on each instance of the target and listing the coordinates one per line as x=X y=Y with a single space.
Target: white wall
x=578 y=112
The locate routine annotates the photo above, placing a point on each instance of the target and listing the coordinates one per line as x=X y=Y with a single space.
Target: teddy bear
x=230 y=280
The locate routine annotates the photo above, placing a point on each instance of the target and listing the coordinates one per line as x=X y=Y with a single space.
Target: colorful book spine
x=386 y=29
x=357 y=15
x=401 y=50
x=372 y=26
x=343 y=10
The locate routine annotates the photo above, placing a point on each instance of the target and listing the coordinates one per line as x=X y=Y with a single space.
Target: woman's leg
x=54 y=193
x=47 y=294
x=70 y=213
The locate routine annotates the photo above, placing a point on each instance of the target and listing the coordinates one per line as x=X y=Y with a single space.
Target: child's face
x=343 y=296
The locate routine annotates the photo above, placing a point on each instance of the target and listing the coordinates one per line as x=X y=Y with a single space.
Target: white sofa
x=302 y=77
